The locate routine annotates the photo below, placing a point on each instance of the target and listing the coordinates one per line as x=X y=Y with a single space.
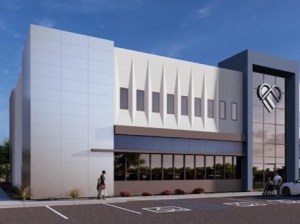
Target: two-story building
x=82 y=105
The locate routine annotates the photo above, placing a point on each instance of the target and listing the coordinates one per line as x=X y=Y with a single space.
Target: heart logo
x=269 y=95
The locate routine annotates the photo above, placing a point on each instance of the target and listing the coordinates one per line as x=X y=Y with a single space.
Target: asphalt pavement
x=228 y=208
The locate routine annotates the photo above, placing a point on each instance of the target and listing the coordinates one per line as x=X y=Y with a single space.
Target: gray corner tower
x=271 y=134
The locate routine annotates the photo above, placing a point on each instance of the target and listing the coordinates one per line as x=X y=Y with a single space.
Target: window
x=168 y=167
x=184 y=105
x=210 y=109
x=189 y=167
x=178 y=167
x=170 y=103
x=222 y=110
x=234 y=111
x=200 y=167
x=132 y=166
x=228 y=167
x=140 y=100
x=235 y=168
x=269 y=134
x=209 y=167
x=280 y=134
x=124 y=98
x=119 y=166
x=155 y=102
x=219 y=167
x=197 y=107
x=156 y=167
x=144 y=166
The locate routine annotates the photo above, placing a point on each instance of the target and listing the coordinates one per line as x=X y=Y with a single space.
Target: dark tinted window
x=123 y=98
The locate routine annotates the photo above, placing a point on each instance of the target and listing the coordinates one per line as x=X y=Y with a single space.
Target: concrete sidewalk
x=83 y=201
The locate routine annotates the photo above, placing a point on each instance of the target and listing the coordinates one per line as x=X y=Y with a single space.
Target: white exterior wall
x=65 y=103
x=151 y=73
x=71 y=92
x=17 y=136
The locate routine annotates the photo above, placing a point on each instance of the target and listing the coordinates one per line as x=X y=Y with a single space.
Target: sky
x=202 y=31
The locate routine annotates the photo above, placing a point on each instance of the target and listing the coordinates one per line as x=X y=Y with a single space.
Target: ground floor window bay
x=154 y=166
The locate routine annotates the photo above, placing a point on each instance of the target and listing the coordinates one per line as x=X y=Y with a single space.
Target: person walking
x=277 y=180
x=102 y=186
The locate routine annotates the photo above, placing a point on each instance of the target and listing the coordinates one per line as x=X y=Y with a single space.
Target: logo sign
x=269 y=95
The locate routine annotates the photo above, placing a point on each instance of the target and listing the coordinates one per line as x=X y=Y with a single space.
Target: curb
x=66 y=202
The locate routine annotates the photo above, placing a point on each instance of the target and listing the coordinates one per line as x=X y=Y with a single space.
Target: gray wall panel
x=181 y=146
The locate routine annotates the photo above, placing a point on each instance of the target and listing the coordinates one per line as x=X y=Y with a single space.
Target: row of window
x=140 y=104
x=143 y=167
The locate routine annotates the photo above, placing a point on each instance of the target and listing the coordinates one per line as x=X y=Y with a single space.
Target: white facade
x=67 y=103
x=68 y=92
x=151 y=73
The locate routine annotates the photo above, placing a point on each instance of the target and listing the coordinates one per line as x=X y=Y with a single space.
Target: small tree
x=4 y=160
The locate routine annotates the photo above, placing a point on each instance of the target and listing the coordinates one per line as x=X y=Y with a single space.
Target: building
x=82 y=105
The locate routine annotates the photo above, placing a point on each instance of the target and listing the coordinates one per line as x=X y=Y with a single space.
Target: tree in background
x=4 y=160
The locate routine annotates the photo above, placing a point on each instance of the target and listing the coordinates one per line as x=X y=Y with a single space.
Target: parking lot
x=225 y=210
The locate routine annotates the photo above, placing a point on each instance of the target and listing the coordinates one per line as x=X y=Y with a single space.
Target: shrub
x=23 y=192
x=198 y=190
x=179 y=191
x=74 y=193
x=167 y=192
x=125 y=194
x=147 y=194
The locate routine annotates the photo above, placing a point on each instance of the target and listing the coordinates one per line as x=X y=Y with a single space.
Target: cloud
x=46 y=22
x=204 y=12
x=13 y=5
x=8 y=30
x=89 y=6
x=196 y=16
x=177 y=48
